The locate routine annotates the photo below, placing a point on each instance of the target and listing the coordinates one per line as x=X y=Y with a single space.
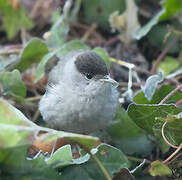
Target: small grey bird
x=80 y=96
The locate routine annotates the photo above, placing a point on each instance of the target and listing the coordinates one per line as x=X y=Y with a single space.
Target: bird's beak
x=108 y=79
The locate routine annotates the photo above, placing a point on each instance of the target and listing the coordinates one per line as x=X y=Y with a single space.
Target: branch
x=170 y=94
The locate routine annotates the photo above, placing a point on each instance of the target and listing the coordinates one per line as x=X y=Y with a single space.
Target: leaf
x=40 y=70
x=111 y=158
x=16 y=130
x=14 y=19
x=12 y=84
x=58 y=32
x=158 y=96
x=98 y=11
x=127 y=135
x=7 y=61
x=101 y=52
x=151 y=85
x=63 y=155
x=70 y=46
x=33 y=51
x=14 y=165
x=147 y=27
x=168 y=65
x=157 y=35
x=171 y=8
x=159 y=169
x=148 y=118
x=124 y=174
x=75 y=11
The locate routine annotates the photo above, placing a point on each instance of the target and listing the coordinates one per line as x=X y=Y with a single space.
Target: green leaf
x=14 y=19
x=147 y=27
x=7 y=61
x=111 y=159
x=14 y=165
x=168 y=65
x=16 y=129
x=151 y=85
x=127 y=135
x=148 y=117
x=70 y=46
x=12 y=84
x=171 y=8
x=75 y=11
x=158 y=96
x=98 y=11
x=103 y=54
x=63 y=155
x=157 y=35
x=159 y=169
x=58 y=32
x=40 y=71
x=33 y=51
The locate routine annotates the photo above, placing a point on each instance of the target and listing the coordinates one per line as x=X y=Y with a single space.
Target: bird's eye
x=88 y=76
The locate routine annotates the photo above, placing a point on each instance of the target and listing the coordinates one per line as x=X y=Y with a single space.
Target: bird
x=80 y=96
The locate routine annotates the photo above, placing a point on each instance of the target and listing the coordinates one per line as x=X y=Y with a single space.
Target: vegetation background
x=140 y=41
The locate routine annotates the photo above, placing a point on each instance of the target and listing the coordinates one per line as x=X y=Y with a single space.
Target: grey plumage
x=79 y=96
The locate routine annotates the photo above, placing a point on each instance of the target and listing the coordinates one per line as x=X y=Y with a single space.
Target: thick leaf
x=58 y=32
x=111 y=158
x=98 y=11
x=157 y=36
x=16 y=130
x=146 y=28
x=103 y=54
x=159 y=169
x=168 y=65
x=14 y=18
x=127 y=135
x=151 y=85
x=40 y=71
x=33 y=51
x=124 y=174
x=63 y=157
x=171 y=8
x=70 y=46
x=14 y=165
x=158 y=96
x=7 y=61
x=148 y=117
x=12 y=84
x=75 y=11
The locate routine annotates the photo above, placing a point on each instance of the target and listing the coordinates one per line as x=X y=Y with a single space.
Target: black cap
x=91 y=63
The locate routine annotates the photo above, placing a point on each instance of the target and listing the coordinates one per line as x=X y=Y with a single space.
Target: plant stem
x=131 y=158
x=171 y=145
x=33 y=98
x=170 y=94
x=179 y=102
x=106 y=174
x=162 y=55
x=173 y=154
